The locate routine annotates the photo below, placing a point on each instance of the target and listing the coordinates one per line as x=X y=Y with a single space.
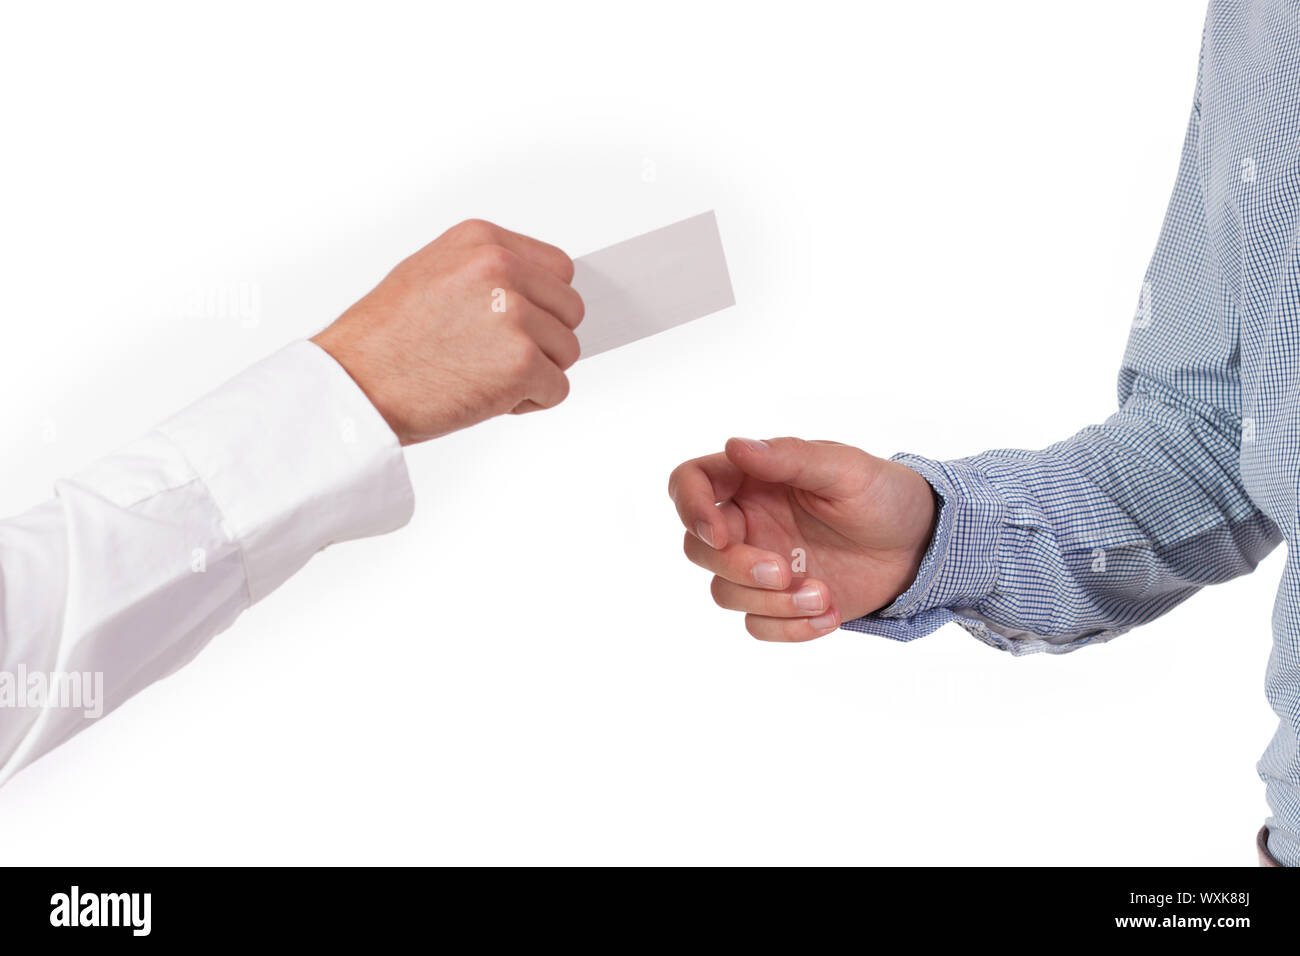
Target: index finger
x=547 y=291
x=549 y=257
x=696 y=487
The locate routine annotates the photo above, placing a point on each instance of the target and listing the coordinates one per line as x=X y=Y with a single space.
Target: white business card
x=651 y=283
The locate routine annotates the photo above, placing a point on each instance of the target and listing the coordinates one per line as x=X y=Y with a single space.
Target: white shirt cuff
x=296 y=458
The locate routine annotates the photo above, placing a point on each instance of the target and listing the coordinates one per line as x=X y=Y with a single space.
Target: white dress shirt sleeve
x=140 y=559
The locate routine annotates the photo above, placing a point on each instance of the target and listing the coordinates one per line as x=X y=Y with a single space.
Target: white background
x=937 y=218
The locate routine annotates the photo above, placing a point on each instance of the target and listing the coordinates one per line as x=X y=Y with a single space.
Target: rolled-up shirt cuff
x=296 y=458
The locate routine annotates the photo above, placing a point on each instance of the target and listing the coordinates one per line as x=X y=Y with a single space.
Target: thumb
x=824 y=468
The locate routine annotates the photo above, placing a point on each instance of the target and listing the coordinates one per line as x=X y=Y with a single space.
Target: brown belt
x=1261 y=844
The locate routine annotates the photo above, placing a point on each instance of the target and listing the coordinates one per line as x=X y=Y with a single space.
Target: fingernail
x=809 y=598
x=754 y=444
x=824 y=622
x=767 y=573
x=704 y=533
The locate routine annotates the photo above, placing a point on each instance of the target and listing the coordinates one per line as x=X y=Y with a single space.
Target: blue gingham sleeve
x=1077 y=543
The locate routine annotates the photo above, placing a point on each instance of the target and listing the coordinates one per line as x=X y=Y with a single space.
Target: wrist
x=960 y=566
x=338 y=344
x=928 y=519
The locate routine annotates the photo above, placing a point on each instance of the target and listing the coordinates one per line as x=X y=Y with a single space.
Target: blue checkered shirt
x=1194 y=479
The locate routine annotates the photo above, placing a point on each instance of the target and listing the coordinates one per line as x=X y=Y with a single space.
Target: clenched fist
x=477 y=323
x=857 y=525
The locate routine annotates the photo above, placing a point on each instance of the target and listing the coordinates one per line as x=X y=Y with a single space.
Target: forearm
x=143 y=557
x=1051 y=549
x=146 y=555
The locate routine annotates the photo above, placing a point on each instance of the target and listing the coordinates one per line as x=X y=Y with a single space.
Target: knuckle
x=717 y=588
x=516 y=315
x=674 y=477
x=570 y=352
x=564 y=265
x=474 y=230
x=754 y=628
x=492 y=261
x=519 y=351
x=561 y=389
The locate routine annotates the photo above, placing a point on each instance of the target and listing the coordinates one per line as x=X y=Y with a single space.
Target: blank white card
x=653 y=282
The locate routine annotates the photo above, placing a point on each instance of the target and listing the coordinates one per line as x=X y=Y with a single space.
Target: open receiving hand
x=476 y=324
x=802 y=535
